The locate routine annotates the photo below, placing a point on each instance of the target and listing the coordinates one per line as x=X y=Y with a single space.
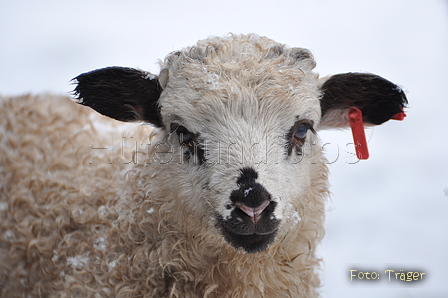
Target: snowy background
x=389 y=212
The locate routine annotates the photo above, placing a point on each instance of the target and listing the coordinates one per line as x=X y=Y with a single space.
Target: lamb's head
x=243 y=111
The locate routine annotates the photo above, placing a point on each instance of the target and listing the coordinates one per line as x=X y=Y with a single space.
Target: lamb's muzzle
x=252 y=224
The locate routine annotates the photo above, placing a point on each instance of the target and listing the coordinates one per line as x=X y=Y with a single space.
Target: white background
x=389 y=212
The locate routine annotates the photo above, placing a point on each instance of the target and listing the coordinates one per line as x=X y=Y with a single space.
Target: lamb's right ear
x=122 y=93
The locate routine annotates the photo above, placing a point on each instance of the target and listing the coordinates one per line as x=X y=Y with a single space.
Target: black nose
x=251 y=197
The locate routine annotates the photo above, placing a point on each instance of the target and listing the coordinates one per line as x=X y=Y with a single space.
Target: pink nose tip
x=253 y=213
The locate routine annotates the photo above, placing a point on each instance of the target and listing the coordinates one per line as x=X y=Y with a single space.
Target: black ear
x=377 y=98
x=122 y=93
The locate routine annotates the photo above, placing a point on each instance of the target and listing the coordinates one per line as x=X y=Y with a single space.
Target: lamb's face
x=241 y=114
x=249 y=142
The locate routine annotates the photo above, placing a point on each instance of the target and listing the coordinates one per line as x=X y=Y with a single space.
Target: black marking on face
x=249 y=193
x=249 y=243
x=248 y=175
x=251 y=225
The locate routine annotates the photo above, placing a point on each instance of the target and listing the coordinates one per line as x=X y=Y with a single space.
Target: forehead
x=245 y=78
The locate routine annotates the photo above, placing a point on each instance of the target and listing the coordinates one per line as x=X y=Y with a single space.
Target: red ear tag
x=359 y=136
x=400 y=116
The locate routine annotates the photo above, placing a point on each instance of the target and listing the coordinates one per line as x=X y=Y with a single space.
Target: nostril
x=254 y=213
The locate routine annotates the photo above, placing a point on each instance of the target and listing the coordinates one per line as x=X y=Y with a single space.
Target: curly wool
x=69 y=228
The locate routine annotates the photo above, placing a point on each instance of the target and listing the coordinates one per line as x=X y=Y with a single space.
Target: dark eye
x=190 y=141
x=185 y=136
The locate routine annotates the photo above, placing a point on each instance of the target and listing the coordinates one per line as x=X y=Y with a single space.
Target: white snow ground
x=388 y=212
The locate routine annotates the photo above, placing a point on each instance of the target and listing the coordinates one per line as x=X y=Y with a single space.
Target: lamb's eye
x=185 y=137
x=298 y=133
x=301 y=131
x=190 y=141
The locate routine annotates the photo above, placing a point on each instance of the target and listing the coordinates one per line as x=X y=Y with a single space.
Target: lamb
x=224 y=195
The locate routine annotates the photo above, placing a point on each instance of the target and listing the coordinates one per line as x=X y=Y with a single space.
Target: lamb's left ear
x=377 y=98
x=122 y=93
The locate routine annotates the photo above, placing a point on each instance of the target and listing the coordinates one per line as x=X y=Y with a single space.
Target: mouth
x=242 y=232
x=252 y=243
